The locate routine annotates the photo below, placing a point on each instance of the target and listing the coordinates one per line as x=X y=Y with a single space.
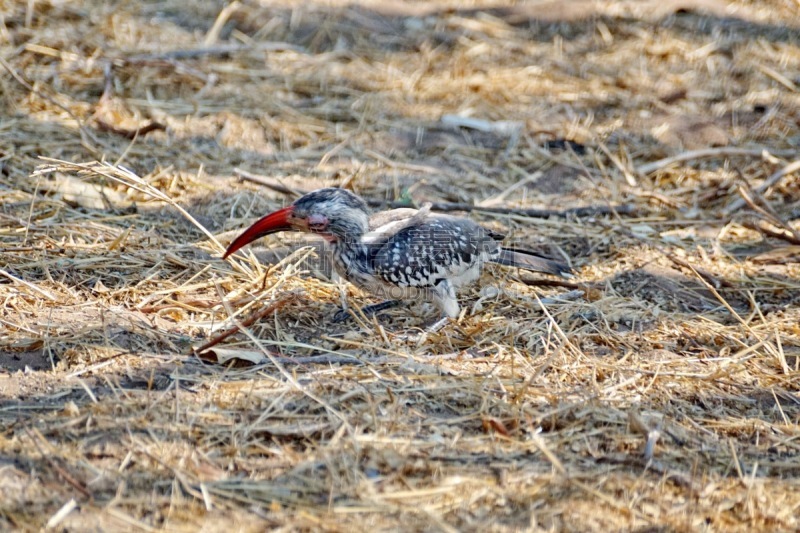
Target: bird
x=399 y=254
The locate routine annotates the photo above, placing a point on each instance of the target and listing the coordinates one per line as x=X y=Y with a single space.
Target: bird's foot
x=343 y=315
x=421 y=337
x=439 y=324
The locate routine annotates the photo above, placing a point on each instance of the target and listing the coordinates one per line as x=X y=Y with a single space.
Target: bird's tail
x=530 y=261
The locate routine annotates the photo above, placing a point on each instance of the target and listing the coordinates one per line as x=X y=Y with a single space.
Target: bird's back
x=432 y=249
x=388 y=223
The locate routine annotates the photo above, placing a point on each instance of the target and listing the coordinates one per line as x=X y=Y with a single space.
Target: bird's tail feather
x=530 y=261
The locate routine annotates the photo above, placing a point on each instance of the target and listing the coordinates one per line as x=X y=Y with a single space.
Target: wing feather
x=438 y=248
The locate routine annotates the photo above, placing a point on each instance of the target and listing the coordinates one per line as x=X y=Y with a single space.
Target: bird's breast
x=351 y=265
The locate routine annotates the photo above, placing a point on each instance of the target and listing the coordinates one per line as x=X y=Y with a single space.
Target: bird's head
x=335 y=214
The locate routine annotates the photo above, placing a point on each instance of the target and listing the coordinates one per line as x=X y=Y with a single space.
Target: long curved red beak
x=272 y=223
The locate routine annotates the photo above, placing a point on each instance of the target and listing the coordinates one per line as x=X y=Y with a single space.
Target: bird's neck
x=351 y=259
x=351 y=244
x=349 y=232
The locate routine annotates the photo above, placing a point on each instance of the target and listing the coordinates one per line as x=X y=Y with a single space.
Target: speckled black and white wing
x=434 y=250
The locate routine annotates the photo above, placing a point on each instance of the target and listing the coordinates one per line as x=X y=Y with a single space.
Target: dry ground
x=663 y=396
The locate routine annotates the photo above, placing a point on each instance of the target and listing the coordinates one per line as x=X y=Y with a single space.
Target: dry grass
x=666 y=398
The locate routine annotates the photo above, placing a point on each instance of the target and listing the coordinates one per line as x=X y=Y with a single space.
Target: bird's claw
x=422 y=336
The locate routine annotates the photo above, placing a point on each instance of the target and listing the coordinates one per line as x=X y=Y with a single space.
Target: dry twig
x=771 y=181
x=246 y=323
x=706 y=153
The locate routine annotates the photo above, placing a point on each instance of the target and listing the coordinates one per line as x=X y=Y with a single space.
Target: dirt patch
x=31 y=360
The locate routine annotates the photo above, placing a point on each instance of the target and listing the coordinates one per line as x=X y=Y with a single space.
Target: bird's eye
x=317 y=222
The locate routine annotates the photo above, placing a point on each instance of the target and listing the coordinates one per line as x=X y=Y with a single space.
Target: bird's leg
x=369 y=310
x=444 y=296
x=342 y=314
x=342 y=290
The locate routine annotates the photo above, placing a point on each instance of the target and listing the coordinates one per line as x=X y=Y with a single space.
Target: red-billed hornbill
x=401 y=254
